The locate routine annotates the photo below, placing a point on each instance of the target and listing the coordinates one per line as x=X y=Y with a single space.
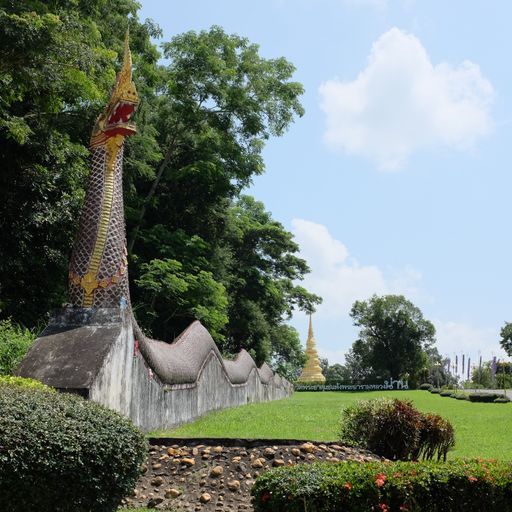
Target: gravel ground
x=217 y=474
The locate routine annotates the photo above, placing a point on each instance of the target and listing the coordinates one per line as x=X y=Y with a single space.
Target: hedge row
x=497 y=398
x=469 y=486
x=61 y=453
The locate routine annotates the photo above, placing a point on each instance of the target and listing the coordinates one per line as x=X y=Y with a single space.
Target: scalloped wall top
x=182 y=361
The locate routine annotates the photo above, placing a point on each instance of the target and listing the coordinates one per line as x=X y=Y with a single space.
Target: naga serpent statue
x=98 y=271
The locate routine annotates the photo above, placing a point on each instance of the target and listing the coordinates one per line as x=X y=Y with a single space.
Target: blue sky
x=398 y=177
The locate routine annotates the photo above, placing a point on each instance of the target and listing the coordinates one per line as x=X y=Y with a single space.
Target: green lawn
x=482 y=430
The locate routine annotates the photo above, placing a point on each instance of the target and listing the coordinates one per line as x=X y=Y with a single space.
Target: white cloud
x=461 y=338
x=402 y=103
x=338 y=277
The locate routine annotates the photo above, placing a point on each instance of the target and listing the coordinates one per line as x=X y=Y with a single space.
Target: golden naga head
x=115 y=119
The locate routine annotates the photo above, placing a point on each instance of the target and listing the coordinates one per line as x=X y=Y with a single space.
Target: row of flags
x=452 y=366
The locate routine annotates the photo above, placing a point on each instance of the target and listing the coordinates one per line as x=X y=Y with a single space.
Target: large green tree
x=217 y=103
x=58 y=61
x=263 y=268
x=196 y=249
x=393 y=338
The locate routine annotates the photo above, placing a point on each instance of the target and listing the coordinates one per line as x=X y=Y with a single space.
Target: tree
x=217 y=103
x=324 y=364
x=288 y=357
x=57 y=64
x=197 y=250
x=393 y=338
x=435 y=370
x=172 y=295
x=335 y=372
x=262 y=269
x=506 y=338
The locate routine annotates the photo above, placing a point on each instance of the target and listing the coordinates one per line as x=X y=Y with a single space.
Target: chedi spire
x=311 y=371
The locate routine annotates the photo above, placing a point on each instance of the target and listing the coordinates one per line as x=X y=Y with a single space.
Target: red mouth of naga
x=118 y=121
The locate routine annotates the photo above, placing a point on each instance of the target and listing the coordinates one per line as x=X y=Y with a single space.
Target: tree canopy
x=57 y=64
x=393 y=339
x=198 y=248
x=506 y=338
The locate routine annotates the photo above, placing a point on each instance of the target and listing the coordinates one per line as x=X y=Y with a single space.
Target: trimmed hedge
x=484 y=397
x=61 y=453
x=426 y=386
x=502 y=400
x=435 y=391
x=446 y=393
x=455 y=486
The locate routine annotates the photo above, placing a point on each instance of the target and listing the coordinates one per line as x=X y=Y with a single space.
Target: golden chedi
x=311 y=371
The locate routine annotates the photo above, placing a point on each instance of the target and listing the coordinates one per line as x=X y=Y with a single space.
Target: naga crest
x=98 y=274
x=114 y=121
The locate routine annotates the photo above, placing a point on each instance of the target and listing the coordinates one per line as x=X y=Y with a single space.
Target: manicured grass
x=482 y=430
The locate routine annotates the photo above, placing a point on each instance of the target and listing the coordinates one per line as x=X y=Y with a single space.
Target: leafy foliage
x=9 y=380
x=396 y=430
x=506 y=338
x=168 y=292
x=197 y=249
x=57 y=64
x=216 y=104
x=335 y=373
x=393 y=339
x=14 y=343
x=454 y=486
x=61 y=453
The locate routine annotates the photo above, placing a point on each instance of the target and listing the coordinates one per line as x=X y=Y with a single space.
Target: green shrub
x=435 y=390
x=502 y=400
x=462 y=396
x=484 y=397
x=426 y=386
x=14 y=343
x=455 y=486
x=396 y=430
x=9 y=380
x=61 y=453
x=446 y=392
